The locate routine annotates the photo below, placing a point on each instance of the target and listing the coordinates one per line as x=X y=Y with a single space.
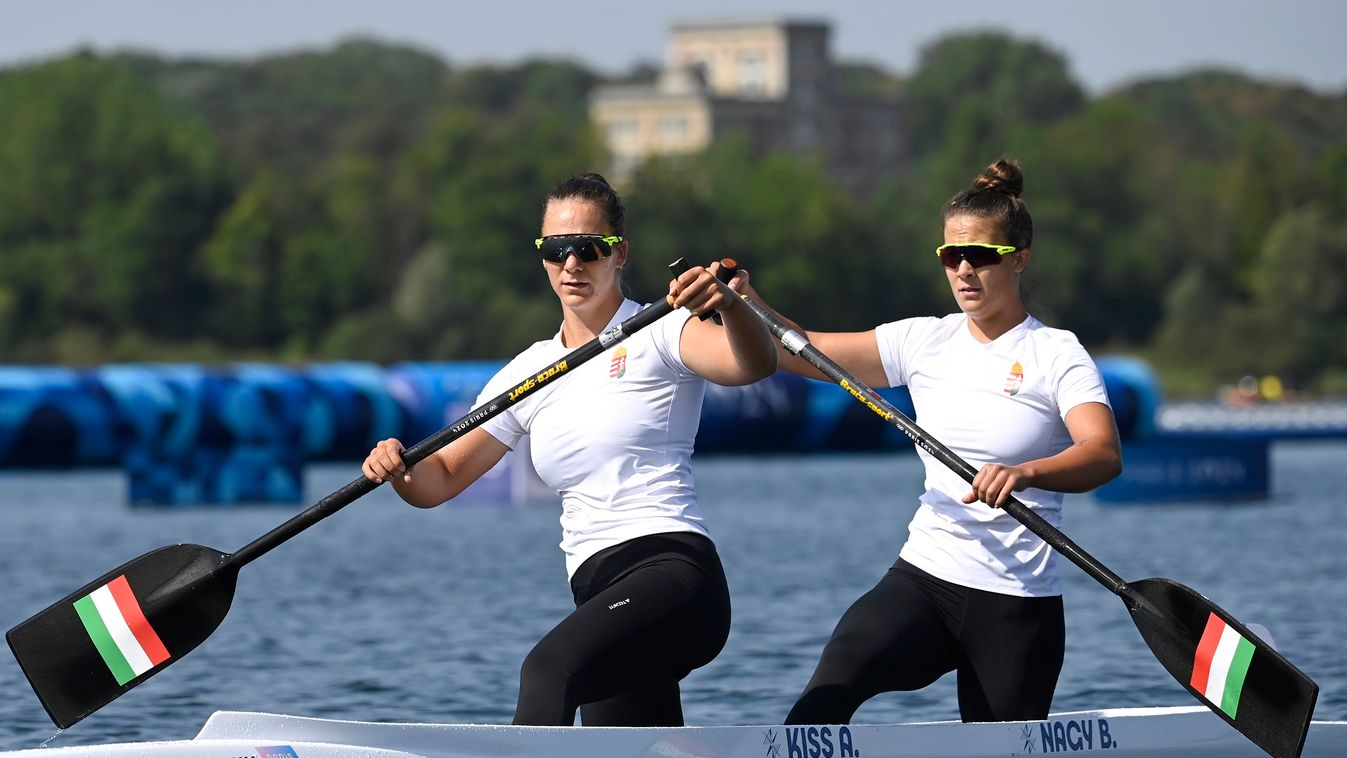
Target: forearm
x=430 y=485
x=750 y=342
x=1079 y=468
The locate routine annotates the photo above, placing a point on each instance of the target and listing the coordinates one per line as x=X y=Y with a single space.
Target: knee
x=846 y=658
x=825 y=704
x=544 y=667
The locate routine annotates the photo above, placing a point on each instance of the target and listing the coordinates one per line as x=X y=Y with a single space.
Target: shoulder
x=666 y=334
x=919 y=328
x=527 y=361
x=1053 y=339
x=1070 y=368
x=533 y=352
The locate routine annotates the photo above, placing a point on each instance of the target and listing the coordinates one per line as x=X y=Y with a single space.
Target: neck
x=581 y=326
x=988 y=327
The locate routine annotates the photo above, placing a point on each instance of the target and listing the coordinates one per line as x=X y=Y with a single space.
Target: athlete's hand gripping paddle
x=728 y=268
x=94 y=645
x=1239 y=676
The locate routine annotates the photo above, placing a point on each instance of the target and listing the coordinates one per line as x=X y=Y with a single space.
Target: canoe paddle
x=1240 y=677
x=89 y=648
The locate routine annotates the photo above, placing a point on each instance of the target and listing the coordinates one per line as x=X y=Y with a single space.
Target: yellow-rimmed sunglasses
x=978 y=254
x=587 y=247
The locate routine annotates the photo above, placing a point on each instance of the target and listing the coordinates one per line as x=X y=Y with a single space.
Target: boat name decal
x=1071 y=735
x=819 y=742
x=276 y=751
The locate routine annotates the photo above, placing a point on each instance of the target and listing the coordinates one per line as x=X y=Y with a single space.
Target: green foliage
x=988 y=81
x=1291 y=321
x=485 y=179
x=1100 y=251
x=865 y=80
x=1207 y=113
x=1266 y=178
x=372 y=335
x=293 y=113
x=778 y=217
x=369 y=201
x=562 y=89
x=1330 y=190
x=108 y=193
x=1298 y=305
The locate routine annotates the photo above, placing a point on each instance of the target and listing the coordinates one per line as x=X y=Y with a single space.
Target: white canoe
x=1177 y=731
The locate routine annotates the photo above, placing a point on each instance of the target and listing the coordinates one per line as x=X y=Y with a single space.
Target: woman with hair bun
x=614 y=438
x=973 y=590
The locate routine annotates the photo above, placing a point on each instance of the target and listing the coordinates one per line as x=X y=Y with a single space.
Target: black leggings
x=913 y=628
x=648 y=612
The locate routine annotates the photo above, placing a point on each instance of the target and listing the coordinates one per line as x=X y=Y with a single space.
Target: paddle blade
x=1234 y=672
x=86 y=650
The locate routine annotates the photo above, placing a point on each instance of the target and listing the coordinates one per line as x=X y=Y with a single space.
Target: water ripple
x=387 y=613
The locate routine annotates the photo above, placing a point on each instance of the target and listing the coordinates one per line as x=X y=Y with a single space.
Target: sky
x=1105 y=44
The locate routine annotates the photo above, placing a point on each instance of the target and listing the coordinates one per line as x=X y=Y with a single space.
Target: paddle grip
x=728 y=268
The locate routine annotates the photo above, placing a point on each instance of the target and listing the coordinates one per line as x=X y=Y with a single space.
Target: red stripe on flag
x=135 y=619
x=1206 y=649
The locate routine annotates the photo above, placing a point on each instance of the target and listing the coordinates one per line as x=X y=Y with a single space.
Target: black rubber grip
x=728 y=268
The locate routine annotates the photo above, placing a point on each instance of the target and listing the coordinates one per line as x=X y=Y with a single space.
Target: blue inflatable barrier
x=202 y=435
x=187 y=433
x=757 y=418
x=1133 y=392
x=56 y=417
x=351 y=406
x=1166 y=466
x=436 y=394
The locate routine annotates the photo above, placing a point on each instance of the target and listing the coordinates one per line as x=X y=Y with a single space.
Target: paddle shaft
x=799 y=345
x=1275 y=700
x=423 y=449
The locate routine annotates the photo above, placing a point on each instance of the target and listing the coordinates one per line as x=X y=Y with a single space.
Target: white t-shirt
x=612 y=436
x=1002 y=402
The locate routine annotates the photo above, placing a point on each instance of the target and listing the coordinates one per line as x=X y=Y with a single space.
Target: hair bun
x=1004 y=176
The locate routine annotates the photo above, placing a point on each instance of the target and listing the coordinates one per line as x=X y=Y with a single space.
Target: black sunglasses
x=586 y=247
x=978 y=254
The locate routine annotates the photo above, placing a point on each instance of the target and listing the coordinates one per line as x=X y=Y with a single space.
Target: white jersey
x=612 y=436
x=1001 y=402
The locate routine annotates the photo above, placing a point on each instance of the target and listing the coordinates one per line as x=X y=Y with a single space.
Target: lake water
x=384 y=612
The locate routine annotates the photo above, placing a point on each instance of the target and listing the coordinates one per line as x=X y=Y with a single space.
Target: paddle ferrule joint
x=794 y=341
x=612 y=335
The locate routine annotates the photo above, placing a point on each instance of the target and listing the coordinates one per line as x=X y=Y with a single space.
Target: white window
x=673 y=129
x=623 y=128
x=751 y=72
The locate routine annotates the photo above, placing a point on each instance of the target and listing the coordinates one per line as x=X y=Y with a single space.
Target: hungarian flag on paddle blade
x=1243 y=678
x=85 y=650
x=118 y=628
x=1222 y=660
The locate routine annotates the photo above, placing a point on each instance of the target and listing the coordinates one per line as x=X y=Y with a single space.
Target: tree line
x=374 y=202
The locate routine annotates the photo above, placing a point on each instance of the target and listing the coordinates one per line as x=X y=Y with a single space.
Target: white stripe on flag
x=121 y=633
x=1220 y=664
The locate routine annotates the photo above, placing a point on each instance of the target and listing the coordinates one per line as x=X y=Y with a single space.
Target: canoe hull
x=1179 y=731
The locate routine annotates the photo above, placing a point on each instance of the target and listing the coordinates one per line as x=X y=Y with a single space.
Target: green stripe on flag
x=107 y=647
x=1234 y=679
